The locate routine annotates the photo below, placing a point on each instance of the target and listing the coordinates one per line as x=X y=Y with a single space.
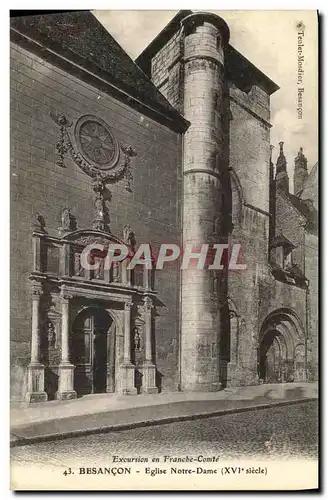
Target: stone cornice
x=250 y=111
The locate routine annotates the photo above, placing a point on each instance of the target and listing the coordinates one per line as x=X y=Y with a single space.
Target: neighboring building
x=171 y=148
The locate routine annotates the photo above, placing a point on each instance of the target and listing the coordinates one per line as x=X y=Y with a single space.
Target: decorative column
x=36 y=392
x=232 y=365
x=66 y=369
x=148 y=369
x=127 y=382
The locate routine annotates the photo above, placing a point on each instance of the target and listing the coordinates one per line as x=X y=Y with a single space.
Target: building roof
x=81 y=38
x=240 y=70
x=310 y=188
x=281 y=241
x=307 y=210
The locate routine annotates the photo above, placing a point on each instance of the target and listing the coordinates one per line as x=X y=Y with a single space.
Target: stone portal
x=93 y=351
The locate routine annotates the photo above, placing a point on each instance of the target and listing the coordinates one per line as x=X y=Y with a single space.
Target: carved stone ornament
x=98 y=155
x=148 y=303
x=88 y=240
x=96 y=142
x=68 y=222
x=98 y=151
x=128 y=305
x=129 y=236
x=36 y=291
x=38 y=223
x=232 y=314
x=137 y=338
x=51 y=334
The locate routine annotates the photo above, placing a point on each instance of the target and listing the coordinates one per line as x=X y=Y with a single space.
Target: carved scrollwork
x=232 y=314
x=128 y=305
x=88 y=240
x=36 y=291
x=61 y=145
x=65 y=296
x=65 y=145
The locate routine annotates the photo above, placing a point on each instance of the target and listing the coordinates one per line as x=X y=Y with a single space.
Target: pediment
x=88 y=236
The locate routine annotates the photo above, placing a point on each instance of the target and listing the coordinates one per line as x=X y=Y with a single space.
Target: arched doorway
x=281 y=348
x=92 y=345
x=273 y=358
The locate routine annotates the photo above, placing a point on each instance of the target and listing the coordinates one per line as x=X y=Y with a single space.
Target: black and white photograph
x=164 y=240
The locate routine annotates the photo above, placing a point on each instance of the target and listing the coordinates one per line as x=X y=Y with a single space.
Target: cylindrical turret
x=205 y=38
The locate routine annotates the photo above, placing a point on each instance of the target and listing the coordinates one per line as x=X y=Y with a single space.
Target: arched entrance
x=92 y=346
x=281 y=348
x=273 y=362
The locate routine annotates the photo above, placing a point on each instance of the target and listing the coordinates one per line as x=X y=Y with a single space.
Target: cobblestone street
x=287 y=431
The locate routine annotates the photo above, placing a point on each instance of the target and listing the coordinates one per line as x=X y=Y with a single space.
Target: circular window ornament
x=96 y=143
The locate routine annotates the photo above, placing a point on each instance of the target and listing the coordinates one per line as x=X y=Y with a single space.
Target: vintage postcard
x=164 y=250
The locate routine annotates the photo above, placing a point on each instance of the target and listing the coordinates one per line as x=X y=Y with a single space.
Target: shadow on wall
x=138 y=380
x=50 y=383
x=158 y=380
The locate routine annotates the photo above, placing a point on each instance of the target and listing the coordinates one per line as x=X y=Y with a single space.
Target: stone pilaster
x=35 y=389
x=233 y=363
x=66 y=369
x=127 y=368
x=148 y=368
x=205 y=39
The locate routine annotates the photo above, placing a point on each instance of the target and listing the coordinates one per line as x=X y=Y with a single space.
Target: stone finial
x=282 y=179
x=281 y=165
x=301 y=160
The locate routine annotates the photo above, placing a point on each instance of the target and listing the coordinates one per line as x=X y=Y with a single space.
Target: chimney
x=300 y=172
x=282 y=179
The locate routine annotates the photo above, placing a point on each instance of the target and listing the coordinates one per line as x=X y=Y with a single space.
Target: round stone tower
x=205 y=38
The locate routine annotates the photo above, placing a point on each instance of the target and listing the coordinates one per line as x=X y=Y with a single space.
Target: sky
x=269 y=39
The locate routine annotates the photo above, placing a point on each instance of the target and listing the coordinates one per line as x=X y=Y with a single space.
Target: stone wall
x=312 y=273
x=250 y=144
x=167 y=70
x=38 y=184
x=249 y=160
x=291 y=222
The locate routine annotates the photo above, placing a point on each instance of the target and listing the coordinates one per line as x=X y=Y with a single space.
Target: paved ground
x=24 y=413
x=285 y=431
x=57 y=420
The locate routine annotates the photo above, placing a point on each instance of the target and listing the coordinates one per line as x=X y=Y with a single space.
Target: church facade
x=171 y=148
